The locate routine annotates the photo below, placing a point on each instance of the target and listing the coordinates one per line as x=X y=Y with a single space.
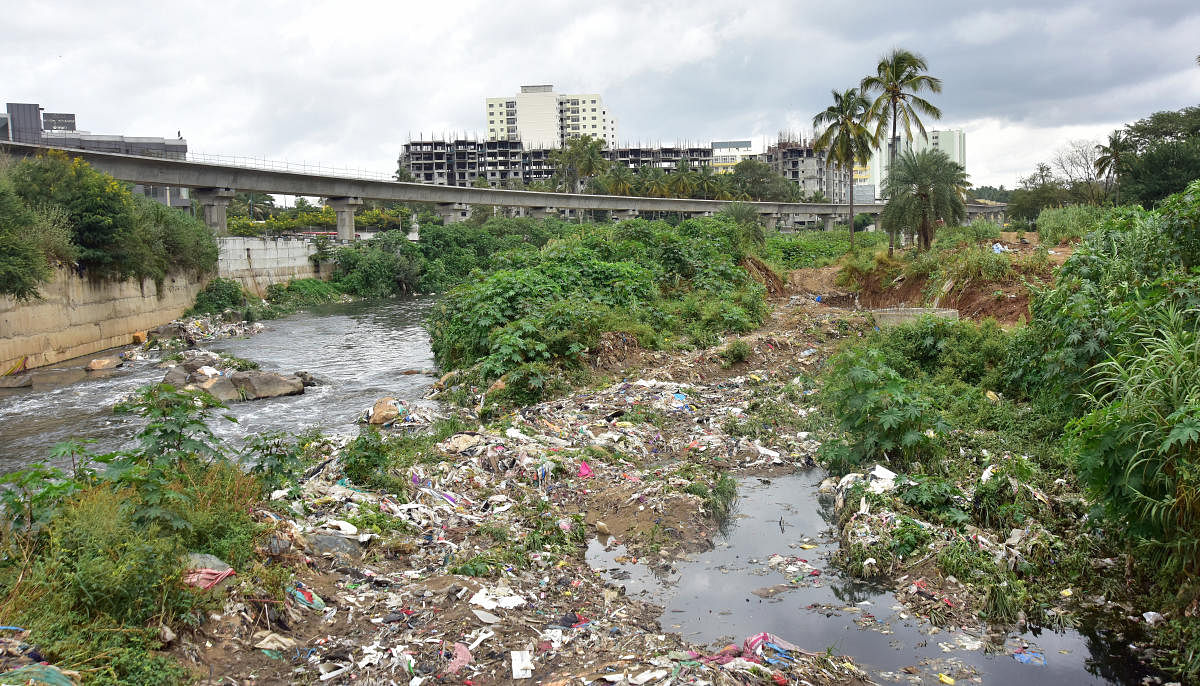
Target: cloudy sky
x=348 y=83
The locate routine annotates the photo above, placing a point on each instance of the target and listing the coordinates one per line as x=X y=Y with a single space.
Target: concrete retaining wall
x=79 y=317
x=259 y=262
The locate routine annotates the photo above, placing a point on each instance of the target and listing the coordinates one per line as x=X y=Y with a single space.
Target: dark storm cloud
x=348 y=83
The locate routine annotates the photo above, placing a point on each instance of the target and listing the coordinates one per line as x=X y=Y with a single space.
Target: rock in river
x=16 y=381
x=257 y=384
x=103 y=363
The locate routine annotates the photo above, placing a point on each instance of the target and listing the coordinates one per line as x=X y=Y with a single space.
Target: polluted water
x=772 y=570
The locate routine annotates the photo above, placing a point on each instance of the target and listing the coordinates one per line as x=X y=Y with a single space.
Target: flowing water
x=711 y=599
x=357 y=351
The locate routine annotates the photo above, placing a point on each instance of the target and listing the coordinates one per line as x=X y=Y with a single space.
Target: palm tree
x=922 y=188
x=1109 y=160
x=682 y=181
x=654 y=182
x=846 y=136
x=619 y=180
x=581 y=158
x=708 y=183
x=898 y=78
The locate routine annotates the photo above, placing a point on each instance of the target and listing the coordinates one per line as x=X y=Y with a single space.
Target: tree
x=1038 y=191
x=899 y=78
x=1076 y=162
x=682 y=182
x=1162 y=170
x=846 y=136
x=708 y=184
x=581 y=158
x=922 y=188
x=619 y=180
x=252 y=205
x=1108 y=159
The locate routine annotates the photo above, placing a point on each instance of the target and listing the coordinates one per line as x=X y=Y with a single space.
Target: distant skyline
x=346 y=83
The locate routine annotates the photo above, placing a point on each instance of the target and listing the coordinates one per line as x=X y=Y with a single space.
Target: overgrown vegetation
x=58 y=211
x=536 y=312
x=1097 y=393
x=93 y=559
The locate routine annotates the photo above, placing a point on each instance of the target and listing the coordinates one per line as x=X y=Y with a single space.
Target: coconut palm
x=922 y=188
x=682 y=182
x=708 y=183
x=898 y=79
x=619 y=180
x=652 y=182
x=846 y=135
x=581 y=158
x=1109 y=160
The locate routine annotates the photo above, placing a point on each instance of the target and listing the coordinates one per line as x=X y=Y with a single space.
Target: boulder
x=306 y=379
x=16 y=381
x=334 y=546
x=200 y=358
x=103 y=363
x=176 y=376
x=221 y=388
x=172 y=330
x=256 y=384
x=139 y=337
x=385 y=410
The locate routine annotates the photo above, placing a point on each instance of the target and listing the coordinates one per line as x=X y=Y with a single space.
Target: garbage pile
x=188 y=331
x=473 y=570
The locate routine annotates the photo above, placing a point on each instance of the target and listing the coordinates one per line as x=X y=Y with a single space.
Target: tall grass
x=1058 y=224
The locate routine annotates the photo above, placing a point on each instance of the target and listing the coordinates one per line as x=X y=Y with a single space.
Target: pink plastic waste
x=462 y=658
x=584 y=470
x=206 y=578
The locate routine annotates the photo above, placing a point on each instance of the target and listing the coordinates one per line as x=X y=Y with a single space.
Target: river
x=357 y=351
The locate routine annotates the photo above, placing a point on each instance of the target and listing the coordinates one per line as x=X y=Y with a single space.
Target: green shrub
x=883 y=416
x=737 y=351
x=219 y=295
x=1137 y=450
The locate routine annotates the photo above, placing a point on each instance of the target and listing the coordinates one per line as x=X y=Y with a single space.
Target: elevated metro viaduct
x=214 y=185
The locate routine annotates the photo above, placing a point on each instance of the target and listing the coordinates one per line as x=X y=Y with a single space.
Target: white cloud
x=346 y=83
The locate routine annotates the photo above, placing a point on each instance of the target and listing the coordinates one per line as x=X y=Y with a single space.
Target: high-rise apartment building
x=953 y=142
x=541 y=118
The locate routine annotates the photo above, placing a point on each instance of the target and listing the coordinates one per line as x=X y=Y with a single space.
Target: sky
x=348 y=83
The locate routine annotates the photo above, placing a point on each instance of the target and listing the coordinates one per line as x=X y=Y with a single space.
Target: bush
x=219 y=295
x=548 y=307
x=1137 y=450
x=883 y=416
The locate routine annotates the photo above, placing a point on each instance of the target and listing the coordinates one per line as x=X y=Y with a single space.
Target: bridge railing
x=311 y=168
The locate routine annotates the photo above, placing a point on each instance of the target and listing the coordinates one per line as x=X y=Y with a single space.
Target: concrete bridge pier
x=448 y=212
x=770 y=219
x=625 y=215
x=827 y=222
x=540 y=212
x=345 y=215
x=214 y=203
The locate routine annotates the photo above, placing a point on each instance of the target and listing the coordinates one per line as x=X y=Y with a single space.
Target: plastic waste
x=522 y=664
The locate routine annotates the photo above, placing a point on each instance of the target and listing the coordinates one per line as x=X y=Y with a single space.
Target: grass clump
x=93 y=560
x=736 y=352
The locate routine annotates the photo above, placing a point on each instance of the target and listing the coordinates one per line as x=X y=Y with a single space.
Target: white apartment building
x=541 y=118
x=726 y=154
x=953 y=142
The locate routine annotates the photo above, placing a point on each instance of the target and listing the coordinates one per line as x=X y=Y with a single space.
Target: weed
x=737 y=351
